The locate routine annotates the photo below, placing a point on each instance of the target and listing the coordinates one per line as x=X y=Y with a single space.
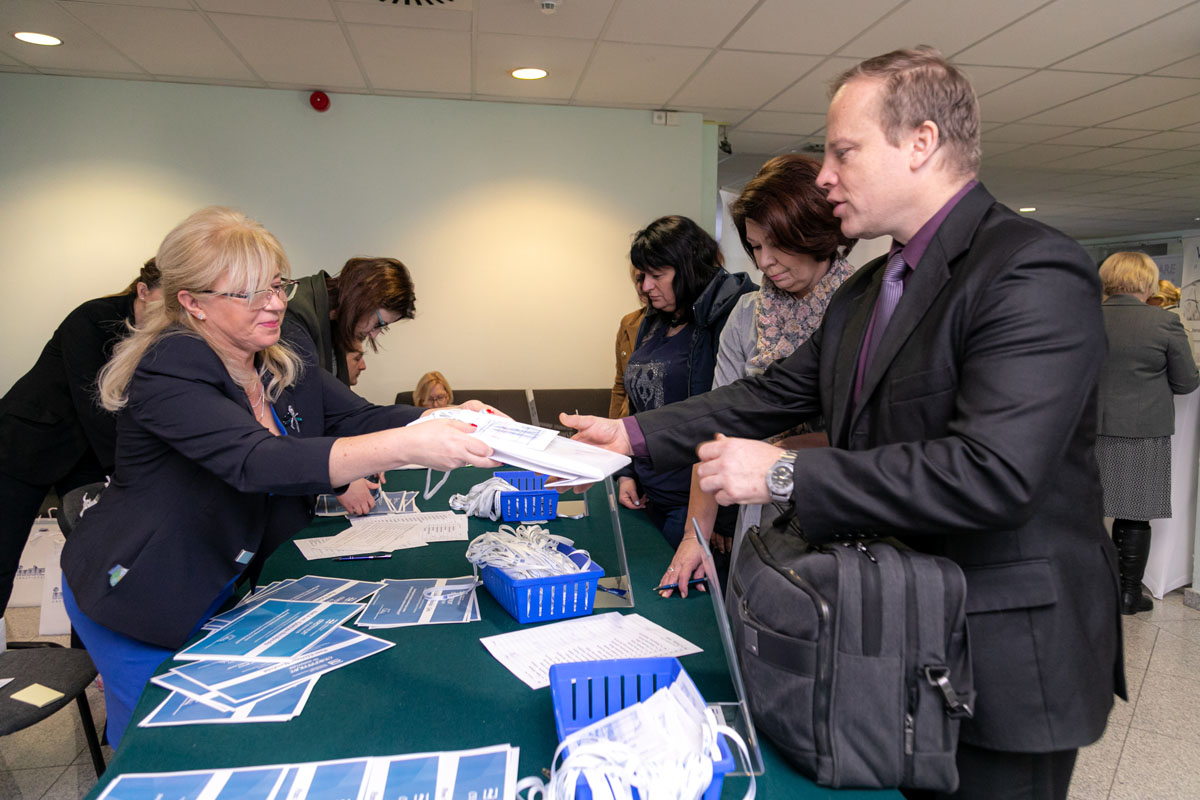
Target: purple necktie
x=885 y=306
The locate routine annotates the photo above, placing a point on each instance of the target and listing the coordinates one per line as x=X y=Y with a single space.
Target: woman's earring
x=200 y=316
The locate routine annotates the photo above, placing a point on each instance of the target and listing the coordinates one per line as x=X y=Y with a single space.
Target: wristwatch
x=779 y=479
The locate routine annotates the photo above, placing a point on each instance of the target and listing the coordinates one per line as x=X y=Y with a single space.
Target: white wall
x=514 y=219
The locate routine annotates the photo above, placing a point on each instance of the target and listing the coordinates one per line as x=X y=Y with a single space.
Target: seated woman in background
x=223 y=438
x=787 y=226
x=433 y=391
x=690 y=296
x=356 y=364
x=53 y=434
x=328 y=318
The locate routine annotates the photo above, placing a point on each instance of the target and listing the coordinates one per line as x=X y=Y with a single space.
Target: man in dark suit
x=957 y=376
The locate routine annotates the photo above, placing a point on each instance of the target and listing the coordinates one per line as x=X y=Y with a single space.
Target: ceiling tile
x=1108 y=104
x=8 y=62
x=643 y=73
x=765 y=143
x=576 y=20
x=497 y=55
x=734 y=79
x=1027 y=133
x=1167 y=161
x=1061 y=29
x=810 y=94
x=699 y=23
x=456 y=17
x=292 y=51
x=82 y=49
x=1170 y=115
x=1100 y=137
x=287 y=9
x=997 y=148
x=1188 y=68
x=1117 y=183
x=988 y=79
x=1041 y=90
x=947 y=26
x=414 y=60
x=1168 y=140
x=785 y=26
x=184 y=4
x=1150 y=47
x=781 y=122
x=1034 y=154
x=164 y=41
x=1100 y=158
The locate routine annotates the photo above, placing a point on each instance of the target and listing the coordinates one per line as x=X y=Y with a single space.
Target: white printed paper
x=530 y=653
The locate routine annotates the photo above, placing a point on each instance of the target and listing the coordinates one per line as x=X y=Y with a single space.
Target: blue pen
x=364 y=558
x=692 y=582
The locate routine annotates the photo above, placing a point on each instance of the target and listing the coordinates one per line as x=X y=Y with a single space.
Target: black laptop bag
x=855 y=657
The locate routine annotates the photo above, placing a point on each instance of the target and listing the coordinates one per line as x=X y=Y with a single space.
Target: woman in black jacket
x=690 y=295
x=53 y=433
x=223 y=438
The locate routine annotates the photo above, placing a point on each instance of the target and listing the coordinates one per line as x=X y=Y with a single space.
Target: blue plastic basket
x=531 y=502
x=542 y=599
x=586 y=691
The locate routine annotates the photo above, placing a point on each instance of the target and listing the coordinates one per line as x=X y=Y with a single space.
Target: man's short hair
x=920 y=84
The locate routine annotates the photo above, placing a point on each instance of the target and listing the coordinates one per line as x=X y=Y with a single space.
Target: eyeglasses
x=256 y=301
x=379 y=327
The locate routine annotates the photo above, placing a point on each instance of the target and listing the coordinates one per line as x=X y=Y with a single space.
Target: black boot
x=1133 y=547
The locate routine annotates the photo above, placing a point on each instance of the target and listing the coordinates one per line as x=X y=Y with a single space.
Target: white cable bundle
x=483 y=499
x=529 y=551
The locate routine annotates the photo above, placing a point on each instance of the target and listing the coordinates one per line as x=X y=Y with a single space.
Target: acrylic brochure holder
x=735 y=714
x=616 y=590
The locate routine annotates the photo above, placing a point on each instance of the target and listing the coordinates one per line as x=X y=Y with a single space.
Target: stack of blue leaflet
x=263 y=658
x=483 y=772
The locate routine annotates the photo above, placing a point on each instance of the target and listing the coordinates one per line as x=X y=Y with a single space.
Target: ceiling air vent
x=419 y=2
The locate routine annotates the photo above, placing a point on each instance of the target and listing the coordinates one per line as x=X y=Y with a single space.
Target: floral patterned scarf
x=782 y=323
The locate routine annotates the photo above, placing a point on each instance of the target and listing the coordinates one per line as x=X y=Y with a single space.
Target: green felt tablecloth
x=439 y=688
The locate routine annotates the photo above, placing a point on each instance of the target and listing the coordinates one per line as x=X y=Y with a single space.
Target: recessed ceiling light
x=529 y=73
x=1028 y=209
x=37 y=38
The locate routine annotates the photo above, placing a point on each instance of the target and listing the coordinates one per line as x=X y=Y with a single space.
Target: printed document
x=529 y=653
x=275 y=631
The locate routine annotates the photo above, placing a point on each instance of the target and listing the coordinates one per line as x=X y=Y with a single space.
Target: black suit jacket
x=49 y=418
x=201 y=490
x=972 y=439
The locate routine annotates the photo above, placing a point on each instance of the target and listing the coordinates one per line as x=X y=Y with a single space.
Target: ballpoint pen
x=372 y=557
x=692 y=582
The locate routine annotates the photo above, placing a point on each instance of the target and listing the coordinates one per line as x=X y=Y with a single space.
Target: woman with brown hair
x=332 y=317
x=787 y=226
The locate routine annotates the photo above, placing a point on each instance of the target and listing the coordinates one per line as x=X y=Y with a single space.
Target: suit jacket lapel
x=848 y=347
x=924 y=285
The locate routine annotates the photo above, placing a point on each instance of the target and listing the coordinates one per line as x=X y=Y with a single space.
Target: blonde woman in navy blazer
x=222 y=438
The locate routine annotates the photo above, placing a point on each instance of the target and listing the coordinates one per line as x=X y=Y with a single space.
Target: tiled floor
x=1151 y=750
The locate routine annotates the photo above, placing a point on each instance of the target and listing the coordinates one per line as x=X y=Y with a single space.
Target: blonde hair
x=212 y=244
x=919 y=84
x=426 y=384
x=1129 y=273
x=1168 y=294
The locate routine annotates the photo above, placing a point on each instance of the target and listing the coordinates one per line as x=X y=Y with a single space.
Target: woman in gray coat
x=1149 y=361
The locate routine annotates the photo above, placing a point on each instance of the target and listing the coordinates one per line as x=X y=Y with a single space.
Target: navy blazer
x=972 y=439
x=201 y=489
x=49 y=418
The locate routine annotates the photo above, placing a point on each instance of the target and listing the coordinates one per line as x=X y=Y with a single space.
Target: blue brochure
x=275 y=631
x=422 y=601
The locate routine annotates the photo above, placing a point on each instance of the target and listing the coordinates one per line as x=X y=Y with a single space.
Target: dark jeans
x=992 y=775
x=19 y=504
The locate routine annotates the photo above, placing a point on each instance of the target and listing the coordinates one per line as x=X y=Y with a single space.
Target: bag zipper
x=872 y=606
x=911 y=678
x=825 y=644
